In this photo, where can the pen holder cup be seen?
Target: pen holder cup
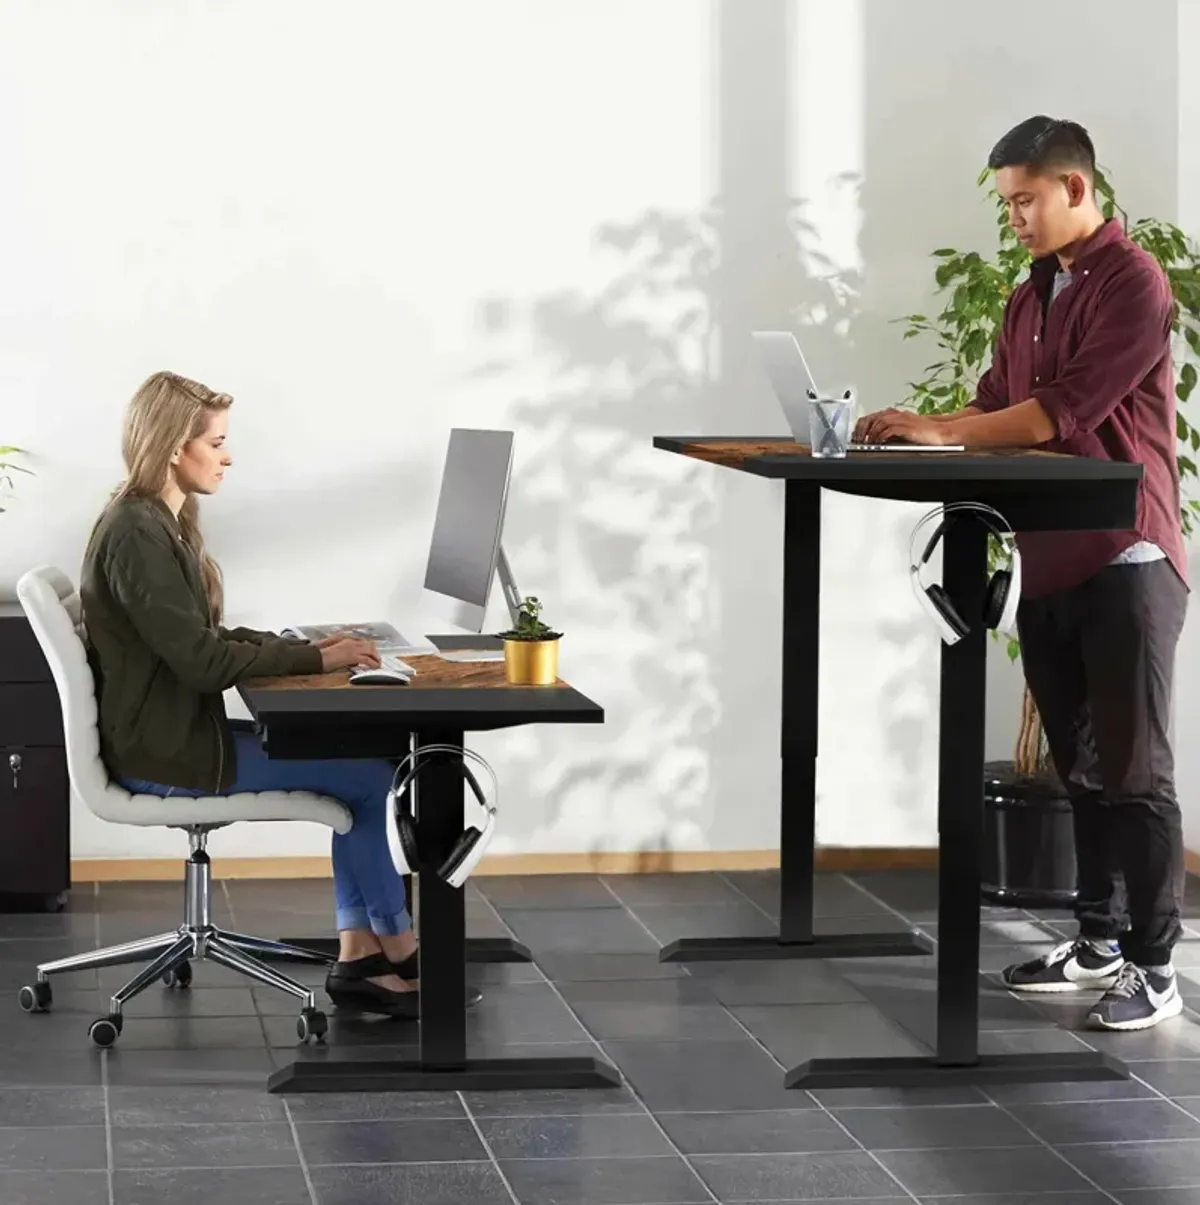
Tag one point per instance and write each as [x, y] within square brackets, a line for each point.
[830, 423]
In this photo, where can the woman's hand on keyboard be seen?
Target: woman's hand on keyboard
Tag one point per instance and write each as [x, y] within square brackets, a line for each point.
[349, 653]
[329, 640]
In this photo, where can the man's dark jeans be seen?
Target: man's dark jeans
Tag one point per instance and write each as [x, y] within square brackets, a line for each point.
[1099, 660]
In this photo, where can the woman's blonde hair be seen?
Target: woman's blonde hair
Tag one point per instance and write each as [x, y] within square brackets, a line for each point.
[166, 412]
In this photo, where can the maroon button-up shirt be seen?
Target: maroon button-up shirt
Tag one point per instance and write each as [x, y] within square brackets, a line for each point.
[1099, 361]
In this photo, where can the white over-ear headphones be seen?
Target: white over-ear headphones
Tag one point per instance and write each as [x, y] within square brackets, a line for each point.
[403, 827]
[1003, 588]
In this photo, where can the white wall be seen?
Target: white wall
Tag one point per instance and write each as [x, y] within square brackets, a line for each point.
[369, 225]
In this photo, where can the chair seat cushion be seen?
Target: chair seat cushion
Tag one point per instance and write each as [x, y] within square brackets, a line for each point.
[121, 807]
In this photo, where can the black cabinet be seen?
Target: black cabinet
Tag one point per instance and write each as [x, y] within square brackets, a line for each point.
[35, 794]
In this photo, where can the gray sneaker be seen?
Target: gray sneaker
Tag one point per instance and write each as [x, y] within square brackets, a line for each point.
[1138, 1000]
[1075, 966]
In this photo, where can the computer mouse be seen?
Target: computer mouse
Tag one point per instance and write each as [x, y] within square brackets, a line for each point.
[377, 677]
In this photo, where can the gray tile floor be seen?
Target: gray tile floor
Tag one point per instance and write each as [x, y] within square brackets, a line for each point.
[178, 1110]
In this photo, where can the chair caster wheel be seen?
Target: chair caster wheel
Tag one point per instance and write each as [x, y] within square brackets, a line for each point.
[180, 977]
[311, 1026]
[106, 1030]
[36, 999]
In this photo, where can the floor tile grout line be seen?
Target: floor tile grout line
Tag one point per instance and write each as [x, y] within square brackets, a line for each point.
[637, 920]
[487, 1146]
[907, 921]
[988, 976]
[1053, 1149]
[859, 1149]
[748, 898]
[633, 1092]
[836, 1121]
[737, 1020]
[262, 1022]
[108, 1129]
[402, 1119]
[1169, 1099]
[308, 1180]
[838, 971]
[108, 1126]
[857, 886]
[262, 1026]
[1031, 1197]
[896, 912]
[1039, 1196]
[755, 1039]
[233, 923]
[1154, 1092]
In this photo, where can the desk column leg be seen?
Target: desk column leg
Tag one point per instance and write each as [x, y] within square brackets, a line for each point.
[799, 711]
[960, 799]
[443, 918]
[800, 720]
[799, 743]
[442, 1063]
[960, 843]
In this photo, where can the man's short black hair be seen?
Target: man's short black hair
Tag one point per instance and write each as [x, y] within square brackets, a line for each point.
[1046, 144]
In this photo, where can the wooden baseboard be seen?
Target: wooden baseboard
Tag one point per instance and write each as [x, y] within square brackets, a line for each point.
[830, 858]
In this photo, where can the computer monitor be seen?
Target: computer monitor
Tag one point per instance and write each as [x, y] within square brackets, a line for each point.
[466, 549]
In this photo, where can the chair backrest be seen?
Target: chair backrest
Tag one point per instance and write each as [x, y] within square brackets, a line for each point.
[52, 605]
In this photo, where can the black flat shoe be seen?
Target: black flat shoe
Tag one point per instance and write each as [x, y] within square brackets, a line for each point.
[349, 986]
[410, 967]
[410, 970]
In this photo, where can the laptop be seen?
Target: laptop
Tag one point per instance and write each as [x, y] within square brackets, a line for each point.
[790, 378]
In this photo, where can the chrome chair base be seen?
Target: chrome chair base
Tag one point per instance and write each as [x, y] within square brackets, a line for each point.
[168, 957]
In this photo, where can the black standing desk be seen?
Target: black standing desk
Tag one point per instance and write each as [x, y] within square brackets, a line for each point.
[321, 716]
[1034, 491]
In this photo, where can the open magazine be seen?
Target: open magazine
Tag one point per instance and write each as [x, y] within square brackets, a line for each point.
[386, 638]
[390, 642]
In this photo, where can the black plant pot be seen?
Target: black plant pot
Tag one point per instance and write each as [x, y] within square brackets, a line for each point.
[1029, 841]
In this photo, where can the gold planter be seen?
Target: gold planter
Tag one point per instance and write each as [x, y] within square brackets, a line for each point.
[531, 662]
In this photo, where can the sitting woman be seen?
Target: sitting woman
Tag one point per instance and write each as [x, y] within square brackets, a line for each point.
[152, 606]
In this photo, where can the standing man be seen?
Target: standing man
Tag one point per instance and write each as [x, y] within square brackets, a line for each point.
[1083, 365]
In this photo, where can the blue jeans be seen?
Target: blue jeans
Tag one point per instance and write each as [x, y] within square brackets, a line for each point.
[368, 892]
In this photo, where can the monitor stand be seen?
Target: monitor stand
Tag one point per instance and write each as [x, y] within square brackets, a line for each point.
[466, 643]
[460, 642]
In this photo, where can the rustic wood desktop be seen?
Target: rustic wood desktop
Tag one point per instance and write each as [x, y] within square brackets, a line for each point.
[1035, 491]
[323, 716]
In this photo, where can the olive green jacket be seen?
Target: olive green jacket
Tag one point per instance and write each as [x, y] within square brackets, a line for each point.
[159, 662]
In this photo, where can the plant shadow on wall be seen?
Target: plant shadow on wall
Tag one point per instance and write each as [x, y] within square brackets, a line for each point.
[623, 540]
[7, 468]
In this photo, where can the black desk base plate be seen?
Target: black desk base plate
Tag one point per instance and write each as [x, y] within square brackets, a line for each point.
[918, 1072]
[479, 949]
[823, 945]
[475, 1075]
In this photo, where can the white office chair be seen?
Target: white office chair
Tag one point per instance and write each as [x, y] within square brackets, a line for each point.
[52, 606]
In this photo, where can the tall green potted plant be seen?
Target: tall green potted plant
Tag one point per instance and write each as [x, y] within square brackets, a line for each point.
[975, 288]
